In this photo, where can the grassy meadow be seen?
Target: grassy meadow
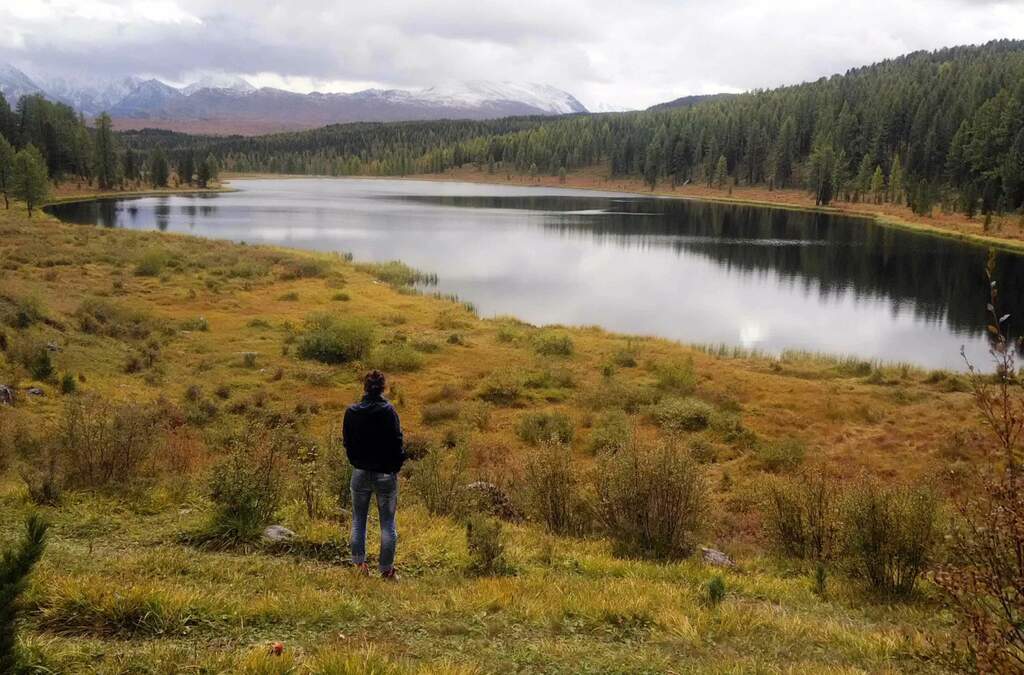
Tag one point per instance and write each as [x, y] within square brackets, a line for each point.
[213, 339]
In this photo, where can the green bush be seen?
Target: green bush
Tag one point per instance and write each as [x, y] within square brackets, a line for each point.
[714, 591]
[486, 545]
[890, 535]
[543, 427]
[652, 501]
[501, 387]
[100, 316]
[553, 490]
[68, 384]
[246, 485]
[21, 312]
[621, 395]
[396, 358]
[802, 516]
[553, 344]
[196, 324]
[152, 263]
[676, 377]
[613, 432]
[438, 477]
[332, 340]
[781, 455]
[687, 414]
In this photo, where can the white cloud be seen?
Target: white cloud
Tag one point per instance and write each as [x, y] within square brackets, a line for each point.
[604, 51]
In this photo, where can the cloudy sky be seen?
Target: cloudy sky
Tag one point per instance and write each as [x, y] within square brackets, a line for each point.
[606, 52]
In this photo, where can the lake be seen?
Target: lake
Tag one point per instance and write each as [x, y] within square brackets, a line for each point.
[700, 272]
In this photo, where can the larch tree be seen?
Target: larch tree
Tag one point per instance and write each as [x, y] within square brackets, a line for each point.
[31, 182]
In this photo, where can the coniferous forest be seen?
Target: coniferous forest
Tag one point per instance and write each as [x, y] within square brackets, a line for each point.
[929, 128]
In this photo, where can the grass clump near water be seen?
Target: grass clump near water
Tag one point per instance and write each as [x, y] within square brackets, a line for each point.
[331, 339]
[396, 273]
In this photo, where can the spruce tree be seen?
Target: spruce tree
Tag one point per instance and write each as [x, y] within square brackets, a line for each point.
[106, 157]
[878, 185]
[6, 170]
[15, 566]
[31, 183]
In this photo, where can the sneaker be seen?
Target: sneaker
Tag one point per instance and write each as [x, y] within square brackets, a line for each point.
[390, 575]
[362, 569]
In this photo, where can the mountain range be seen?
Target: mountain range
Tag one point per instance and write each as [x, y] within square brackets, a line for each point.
[227, 104]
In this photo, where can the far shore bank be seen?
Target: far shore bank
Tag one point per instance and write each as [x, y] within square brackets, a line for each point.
[953, 226]
[69, 197]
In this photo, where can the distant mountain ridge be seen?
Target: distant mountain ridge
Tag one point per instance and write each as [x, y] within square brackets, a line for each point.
[228, 104]
[689, 101]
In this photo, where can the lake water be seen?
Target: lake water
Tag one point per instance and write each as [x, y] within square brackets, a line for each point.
[698, 272]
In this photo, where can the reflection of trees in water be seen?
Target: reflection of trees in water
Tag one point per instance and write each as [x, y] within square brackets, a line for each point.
[939, 279]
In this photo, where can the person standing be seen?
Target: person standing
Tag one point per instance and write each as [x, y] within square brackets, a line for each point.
[372, 435]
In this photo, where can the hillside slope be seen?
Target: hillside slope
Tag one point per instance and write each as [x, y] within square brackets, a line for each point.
[208, 330]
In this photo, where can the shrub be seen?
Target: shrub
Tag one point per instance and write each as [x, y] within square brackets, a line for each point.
[305, 268]
[102, 445]
[22, 312]
[501, 387]
[676, 377]
[340, 297]
[442, 411]
[151, 264]
[68, 384]
[103, 317]
[781, 455]
[246, 486]
[553, 344]
[612, 432]
[396, 358]
[652, 501]
[625, 396]
[290, 296]
[196, 324]
[802, 516]
[437, 477]
[35, 357]
[331, 340]
[552, 488]
[487, 556]
[890, 535]
[425, 346]
[688, 414]
[557, 378]
[714, 591]
[543, 427]
[624, 358]
[477, 414]
[15, 566]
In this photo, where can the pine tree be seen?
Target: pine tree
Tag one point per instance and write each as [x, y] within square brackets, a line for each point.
[159, 171]
[187, 168]
[721, 172]
[207, 171]
[6, 170]
[15, 567]
[896, 180]
[31, 183]
[106, 157]
[878, 185]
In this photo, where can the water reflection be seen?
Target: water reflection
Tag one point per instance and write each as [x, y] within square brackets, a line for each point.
[695, 271]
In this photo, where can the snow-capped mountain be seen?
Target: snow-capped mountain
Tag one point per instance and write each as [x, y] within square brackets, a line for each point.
[222, 103]
[91, 96]
[14, 84]
[219, 81]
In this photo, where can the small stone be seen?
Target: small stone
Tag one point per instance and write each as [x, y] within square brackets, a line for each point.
[52, 346]
[276, 533]
[6, 395]
[34, 391]
[715, 557]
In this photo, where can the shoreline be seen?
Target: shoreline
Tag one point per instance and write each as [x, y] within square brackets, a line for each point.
[132, 194]
[1006, 245]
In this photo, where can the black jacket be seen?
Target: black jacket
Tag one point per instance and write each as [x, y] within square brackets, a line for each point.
[372, 435]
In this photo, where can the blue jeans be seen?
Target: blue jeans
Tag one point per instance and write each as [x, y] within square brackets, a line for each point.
[385, 486]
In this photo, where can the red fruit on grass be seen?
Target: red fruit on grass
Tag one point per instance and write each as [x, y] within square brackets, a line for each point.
[277, 648]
